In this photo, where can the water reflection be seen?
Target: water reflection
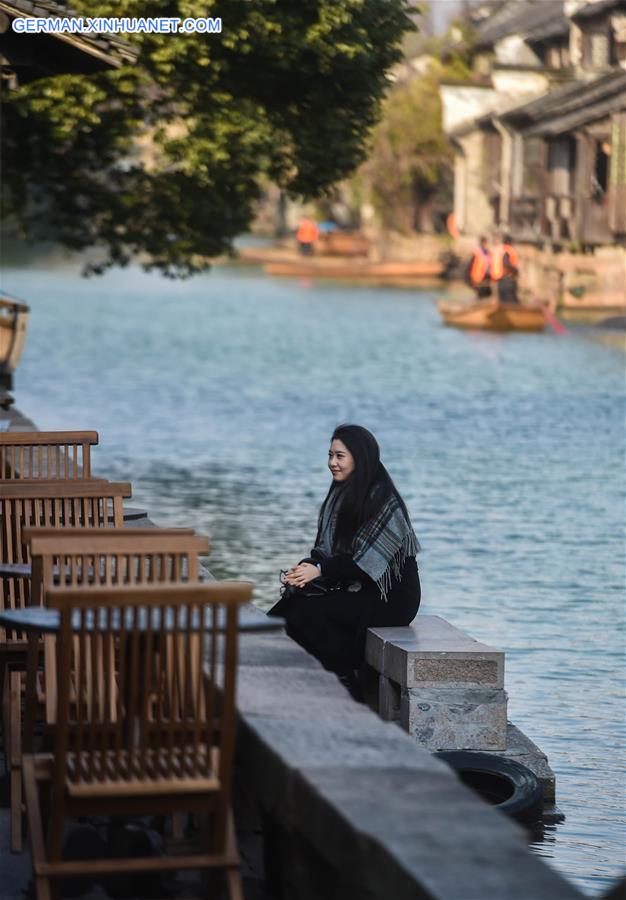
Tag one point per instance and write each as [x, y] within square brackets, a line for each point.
[216, 397]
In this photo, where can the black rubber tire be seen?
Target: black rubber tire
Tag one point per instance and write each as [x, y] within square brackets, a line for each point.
[504, 783]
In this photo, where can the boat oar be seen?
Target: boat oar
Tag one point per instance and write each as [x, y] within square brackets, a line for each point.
[557, 326]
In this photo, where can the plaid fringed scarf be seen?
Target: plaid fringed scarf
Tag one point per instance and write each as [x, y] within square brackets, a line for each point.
[380, 547]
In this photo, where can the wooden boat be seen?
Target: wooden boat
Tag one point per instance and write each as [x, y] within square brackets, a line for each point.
[491, 315]
[343, 243]
[335, 268]
[13, 321]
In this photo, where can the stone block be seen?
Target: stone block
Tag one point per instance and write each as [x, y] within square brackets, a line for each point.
[520, 748]
[368, 681]
[447, 719]
[388, 699]
[375, 648]
[433, 653]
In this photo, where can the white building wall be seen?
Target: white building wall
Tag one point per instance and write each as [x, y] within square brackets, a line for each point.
[464, 103]
[517, 87]
[513, 51]
[477, 211]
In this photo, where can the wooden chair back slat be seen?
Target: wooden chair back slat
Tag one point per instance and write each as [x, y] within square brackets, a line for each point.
[143, 728]
[58, 504]
[108, 557]
[40, 455]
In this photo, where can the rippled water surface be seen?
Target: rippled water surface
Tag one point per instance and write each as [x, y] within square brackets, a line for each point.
[216, 398]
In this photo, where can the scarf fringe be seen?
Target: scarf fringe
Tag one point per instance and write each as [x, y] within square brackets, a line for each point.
[410, 547]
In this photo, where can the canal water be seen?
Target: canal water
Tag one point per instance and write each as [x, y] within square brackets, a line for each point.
[216, 398]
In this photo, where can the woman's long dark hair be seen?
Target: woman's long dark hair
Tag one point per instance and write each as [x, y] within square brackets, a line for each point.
[365, 491]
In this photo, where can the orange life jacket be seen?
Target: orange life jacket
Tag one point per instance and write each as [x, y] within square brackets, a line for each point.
[497, 261]
[479, 267]
[307, 231]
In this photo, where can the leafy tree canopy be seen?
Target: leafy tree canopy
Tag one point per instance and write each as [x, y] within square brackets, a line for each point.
[163, 158]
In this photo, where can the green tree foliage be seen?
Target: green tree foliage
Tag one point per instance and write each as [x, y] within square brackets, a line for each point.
[163, 158]
[410, 157]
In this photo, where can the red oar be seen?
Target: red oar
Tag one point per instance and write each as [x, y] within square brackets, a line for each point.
[551, 319]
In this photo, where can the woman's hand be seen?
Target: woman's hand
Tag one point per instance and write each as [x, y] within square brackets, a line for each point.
[301, 574]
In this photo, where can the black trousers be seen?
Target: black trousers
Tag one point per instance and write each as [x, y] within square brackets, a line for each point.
[333, 626]
[507, 289]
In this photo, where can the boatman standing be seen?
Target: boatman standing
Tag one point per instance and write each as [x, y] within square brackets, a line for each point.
[306, 235]
[505, 269]
[478, 272]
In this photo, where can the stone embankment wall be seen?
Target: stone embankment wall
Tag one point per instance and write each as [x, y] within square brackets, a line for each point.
[353, 809]
[573, 281]
[576, 280]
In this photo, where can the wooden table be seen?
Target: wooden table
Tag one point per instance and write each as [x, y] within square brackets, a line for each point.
[41, 620]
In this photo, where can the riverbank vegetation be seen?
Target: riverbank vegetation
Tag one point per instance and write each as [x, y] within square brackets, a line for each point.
[407, 178]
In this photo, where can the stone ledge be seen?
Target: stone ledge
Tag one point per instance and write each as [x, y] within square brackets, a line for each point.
[361, 811]
[520, 748]
[433, 653]
[432, 840]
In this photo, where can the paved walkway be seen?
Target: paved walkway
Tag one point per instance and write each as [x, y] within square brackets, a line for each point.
[16, 871]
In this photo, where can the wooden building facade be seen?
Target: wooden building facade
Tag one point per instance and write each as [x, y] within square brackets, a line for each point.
[570, 184]
[545, 161]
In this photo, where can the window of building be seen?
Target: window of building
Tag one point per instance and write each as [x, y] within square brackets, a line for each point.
[599, 46]
[533, 157]
[557, 56]
[600, 173]
[599, 50]
[618, 29]
[492, 154]
[561, 164]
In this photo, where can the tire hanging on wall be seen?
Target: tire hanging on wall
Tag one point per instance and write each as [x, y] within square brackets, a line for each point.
[504, 783]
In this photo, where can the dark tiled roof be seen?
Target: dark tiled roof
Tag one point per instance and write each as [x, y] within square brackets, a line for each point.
[115, 48]
[558, 27]
[595, 7]
[521, 17]
[571, 106]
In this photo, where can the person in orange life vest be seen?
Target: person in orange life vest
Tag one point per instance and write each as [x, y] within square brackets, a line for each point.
[306, 235]
[504, 270]
[477, 273]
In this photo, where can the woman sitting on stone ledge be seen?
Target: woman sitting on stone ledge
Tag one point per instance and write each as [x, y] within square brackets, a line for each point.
[362, 571]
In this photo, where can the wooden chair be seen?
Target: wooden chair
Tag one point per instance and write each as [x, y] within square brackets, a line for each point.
[59, 504]
[87, 559]
[57, 455]
[116, 755]
[79, 557]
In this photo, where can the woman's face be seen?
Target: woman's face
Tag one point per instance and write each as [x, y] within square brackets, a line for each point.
[340, 461]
